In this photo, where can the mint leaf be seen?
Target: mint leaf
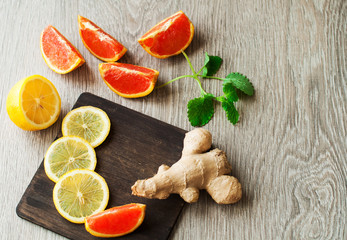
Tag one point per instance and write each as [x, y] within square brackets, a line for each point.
[230, 91]
[200, 110]
[241, 82]
[211, 65]
[229, 108]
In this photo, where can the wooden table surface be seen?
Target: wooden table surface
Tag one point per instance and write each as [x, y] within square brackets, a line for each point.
[289, 149]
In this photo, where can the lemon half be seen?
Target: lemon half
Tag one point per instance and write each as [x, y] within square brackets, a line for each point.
[33, 103]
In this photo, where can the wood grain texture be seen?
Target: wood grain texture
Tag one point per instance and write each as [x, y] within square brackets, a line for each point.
[289, 148]
[134, 149]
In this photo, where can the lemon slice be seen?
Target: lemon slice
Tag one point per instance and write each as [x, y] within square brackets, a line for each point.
[66, 154]
[88, 122]
[33, 103]
[79, 194]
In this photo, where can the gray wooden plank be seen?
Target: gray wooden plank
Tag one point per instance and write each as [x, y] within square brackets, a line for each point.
[289, 148]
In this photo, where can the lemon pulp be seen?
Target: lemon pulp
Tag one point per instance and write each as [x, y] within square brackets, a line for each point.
[66, 154]
[88, 122]
[80, 193]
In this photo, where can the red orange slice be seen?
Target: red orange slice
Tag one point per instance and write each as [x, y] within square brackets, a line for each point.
[127, 80]
[59, 54]
[98, 42]
[116, 221]
[169, 37]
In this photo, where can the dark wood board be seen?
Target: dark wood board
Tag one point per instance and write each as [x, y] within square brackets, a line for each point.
[136, 146]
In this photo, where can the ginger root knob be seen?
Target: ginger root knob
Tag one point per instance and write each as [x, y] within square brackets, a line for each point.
[197, 169]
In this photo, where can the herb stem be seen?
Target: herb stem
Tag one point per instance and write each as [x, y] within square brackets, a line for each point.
[195, 75]
[200, 71]
[220, 98]
[222, 79]
[203, 92]
[188, 60]
[167, 83]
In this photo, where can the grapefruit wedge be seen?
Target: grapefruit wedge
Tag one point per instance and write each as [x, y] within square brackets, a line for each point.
[116, 221]
[127, 80]
[169, 37]
[99, 43]
[59, 54]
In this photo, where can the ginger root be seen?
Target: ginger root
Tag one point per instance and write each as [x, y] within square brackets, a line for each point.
[197, 169]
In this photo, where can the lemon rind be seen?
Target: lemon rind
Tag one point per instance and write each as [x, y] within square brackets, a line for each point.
[48, 171]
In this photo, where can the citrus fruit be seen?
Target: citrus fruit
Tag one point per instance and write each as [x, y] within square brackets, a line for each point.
[117, 221]
[59, 54]
[169, 37]
[66, 154]
[87, 122]
[127, 80]
[33, 103]
[79, 194]
[98, 42]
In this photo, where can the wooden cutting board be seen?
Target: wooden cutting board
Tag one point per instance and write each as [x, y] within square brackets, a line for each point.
[136, 146]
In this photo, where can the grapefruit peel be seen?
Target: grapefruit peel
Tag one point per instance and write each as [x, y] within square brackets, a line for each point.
[165, 34]
[98, 42]
[56, 51]
[157, 44]
[127, 80]
[116, 221]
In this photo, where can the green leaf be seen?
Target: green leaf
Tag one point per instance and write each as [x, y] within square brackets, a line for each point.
[230, 91]
[200, 110]
[211, 65]
[229, 108]
[241, 82]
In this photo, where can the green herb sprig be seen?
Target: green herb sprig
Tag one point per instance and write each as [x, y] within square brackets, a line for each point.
[201, 109]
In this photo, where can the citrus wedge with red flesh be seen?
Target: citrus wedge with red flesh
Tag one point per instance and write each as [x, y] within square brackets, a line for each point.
[127, 80]
[169, 37]
[116, 221]
[98, 42]
[59, 54]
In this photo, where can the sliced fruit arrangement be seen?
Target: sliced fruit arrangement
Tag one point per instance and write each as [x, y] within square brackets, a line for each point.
[127, 80]
[66, 154]
[98, 42]
[33, 103]
[116, 221]
[88, 122]
[169, 37]
[80, 193]
[59, 54]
